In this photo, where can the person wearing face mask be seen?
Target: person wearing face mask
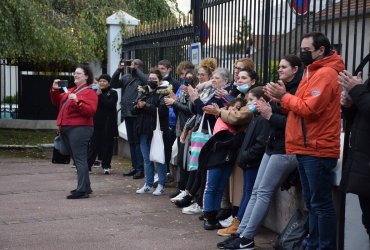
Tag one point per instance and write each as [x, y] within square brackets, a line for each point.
[150, 100]
[252, 147]
[129, 84]
[105, 125]
[275, 166]
[313, 132]
[247, 79]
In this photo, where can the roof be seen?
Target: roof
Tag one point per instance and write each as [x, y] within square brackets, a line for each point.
[351, 8]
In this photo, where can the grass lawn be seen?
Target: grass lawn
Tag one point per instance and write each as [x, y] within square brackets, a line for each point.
[26, 137]
[34, 137]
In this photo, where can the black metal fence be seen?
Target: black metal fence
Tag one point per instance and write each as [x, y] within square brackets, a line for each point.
[25, 91]
[264, 30]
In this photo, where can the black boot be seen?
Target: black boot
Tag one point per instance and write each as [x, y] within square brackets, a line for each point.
[210, 221]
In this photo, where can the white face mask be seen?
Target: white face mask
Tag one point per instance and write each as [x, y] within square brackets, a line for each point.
[243, 88]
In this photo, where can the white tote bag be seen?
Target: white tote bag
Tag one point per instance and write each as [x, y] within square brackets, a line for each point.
[157, 146]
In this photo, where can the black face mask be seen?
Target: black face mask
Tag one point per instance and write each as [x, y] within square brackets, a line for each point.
[306, 57]
[152, 84]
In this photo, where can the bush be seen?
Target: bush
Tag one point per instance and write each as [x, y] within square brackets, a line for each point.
[11, 99]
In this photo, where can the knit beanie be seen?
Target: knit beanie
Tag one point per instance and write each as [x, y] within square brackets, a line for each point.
[105, 77]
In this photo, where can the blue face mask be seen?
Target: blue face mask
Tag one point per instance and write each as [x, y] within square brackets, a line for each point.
[252, 108]
[94, 86]
[243, 88]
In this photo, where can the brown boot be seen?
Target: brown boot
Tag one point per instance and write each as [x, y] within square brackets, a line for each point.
[231, 229]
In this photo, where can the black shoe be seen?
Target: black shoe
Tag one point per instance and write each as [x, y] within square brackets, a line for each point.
[240, 243]
[231, 238]
[138, 175]
[210, 221]
[174, 194]
[129, 173]
[78, 195]
[210, 225]
[223, 214]
[75, 190]
[201, 216]
[184, 202]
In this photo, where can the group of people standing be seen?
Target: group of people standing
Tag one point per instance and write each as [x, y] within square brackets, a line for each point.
[260, 133]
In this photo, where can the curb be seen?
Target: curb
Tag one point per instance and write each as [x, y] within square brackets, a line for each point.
[37, 146]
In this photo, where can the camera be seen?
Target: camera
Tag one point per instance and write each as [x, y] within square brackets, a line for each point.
[140, 98]
[63, 83]
[126, 63]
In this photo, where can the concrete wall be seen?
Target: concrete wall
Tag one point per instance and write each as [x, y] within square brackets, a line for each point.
[283, 206]
[28, 124]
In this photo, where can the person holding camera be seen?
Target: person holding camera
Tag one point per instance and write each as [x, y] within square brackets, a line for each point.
[77, 107]
[150, 100]
[105, 125]
[129, 84]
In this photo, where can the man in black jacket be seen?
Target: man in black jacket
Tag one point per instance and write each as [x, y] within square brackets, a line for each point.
[355, 101]
[129, 84]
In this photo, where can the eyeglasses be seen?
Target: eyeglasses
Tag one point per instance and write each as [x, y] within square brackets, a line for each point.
[238, 68]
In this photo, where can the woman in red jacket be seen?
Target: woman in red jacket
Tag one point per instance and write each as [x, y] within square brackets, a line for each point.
[77, 106]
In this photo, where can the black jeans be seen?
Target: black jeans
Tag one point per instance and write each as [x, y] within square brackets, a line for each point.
[135, 152]
[184, 173]
[365, 207]
[101, 145]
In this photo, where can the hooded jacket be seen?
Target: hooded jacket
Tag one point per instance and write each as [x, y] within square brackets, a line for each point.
[314, 122]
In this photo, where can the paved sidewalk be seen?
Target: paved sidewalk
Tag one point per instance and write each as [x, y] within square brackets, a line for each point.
[34, 213]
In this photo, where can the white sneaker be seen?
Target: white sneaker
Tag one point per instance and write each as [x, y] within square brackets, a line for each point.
[181, 195]
[145, 190]
[192, 209]
[227, 222]
[106, 170]
[159, 190]
[155, 178]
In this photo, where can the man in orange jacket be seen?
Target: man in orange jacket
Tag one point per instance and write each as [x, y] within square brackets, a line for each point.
[313, 132]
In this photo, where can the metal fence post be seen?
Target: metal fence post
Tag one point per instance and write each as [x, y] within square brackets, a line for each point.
[266, 45]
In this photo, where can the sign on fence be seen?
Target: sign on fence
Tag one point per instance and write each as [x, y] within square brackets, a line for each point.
[195, 53]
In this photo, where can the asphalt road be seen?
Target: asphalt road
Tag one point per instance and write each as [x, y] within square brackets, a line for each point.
[34, 213]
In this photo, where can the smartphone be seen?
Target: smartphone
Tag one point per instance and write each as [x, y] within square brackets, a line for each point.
[63, 83]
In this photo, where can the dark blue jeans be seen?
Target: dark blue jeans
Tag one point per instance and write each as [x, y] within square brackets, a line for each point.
[249, 177]
[133, 140]
[316, 178]
[216, 181]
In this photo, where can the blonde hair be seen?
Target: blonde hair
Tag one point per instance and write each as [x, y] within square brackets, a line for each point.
[208, 64]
